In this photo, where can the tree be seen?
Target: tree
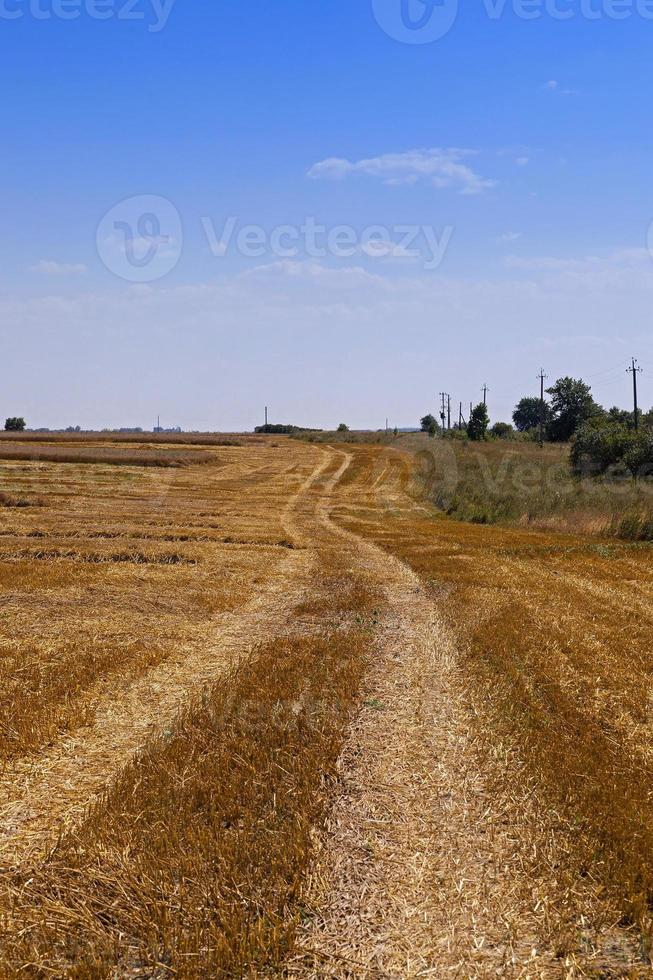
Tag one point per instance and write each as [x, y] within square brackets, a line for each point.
[527, 414]
[624, 417]
[502, 430]
[571, 405]
[433, 428]
[15, 425]
[427, 422]
[478, 423]
[603, 443]
[343, 428]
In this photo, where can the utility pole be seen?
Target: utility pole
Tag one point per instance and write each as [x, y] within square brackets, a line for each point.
[485, 391]
[266, 416]
[542, 377]
[443, 413]
[449, 412]
[460, 415]
[635, 370]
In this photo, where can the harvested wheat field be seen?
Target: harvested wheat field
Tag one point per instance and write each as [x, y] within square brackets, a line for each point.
[266, 712]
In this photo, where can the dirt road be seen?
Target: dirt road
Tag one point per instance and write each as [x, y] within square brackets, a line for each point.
[425, 867]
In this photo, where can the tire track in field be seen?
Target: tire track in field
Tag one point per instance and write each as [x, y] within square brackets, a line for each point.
[419, 874]
[45, 794]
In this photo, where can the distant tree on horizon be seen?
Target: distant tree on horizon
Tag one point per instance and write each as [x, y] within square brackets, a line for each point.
[572, 404]
[527, 414]
[427, 422]
[343, 428]
[478, 423]
[502, 430]
[15, 424]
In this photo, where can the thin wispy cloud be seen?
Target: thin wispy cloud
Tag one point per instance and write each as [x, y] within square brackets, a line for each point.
[626, 269]
[48, 267]
[509, 236]
[553, 86]
[441, 168]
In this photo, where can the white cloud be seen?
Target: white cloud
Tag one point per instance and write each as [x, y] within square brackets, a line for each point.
[522, 161]
[314, 274]
[623, 269]
[439, 167]
[554, 86]
[49, 267]
[509, 236]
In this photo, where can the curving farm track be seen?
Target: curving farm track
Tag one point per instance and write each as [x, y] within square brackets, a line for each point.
[441, 853]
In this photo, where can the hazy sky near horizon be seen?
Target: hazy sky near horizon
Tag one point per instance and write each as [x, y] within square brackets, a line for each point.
[336, 208]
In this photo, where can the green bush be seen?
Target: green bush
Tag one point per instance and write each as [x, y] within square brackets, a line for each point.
[599, 446]
[502, 430]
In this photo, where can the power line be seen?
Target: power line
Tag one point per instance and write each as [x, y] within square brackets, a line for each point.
[634, 369]
[542, 376]
[445, 411]
[600, 374]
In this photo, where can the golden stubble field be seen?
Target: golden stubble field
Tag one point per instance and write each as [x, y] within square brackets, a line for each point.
[553, 636]
[263, 710]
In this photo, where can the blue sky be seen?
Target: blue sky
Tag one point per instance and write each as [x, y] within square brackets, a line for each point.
[521, 148]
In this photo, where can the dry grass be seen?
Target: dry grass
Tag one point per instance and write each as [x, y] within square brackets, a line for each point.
[128, 588]
[119, 572]
[355, 437]
[42, 695]
[192, 863]
[152, 456]
[554, 633]
[521, 483]
[138, 438]
[118, 601]
[9, 500]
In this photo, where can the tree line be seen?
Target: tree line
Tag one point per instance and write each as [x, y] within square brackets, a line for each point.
[600, 439]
